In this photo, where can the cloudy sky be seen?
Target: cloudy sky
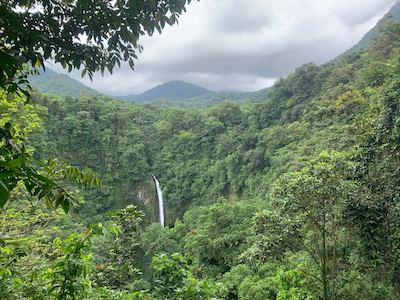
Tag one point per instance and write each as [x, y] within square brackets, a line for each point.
[244, 44]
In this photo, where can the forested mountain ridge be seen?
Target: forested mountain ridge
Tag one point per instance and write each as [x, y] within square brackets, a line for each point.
[50, 81]
[171, 90]
[241, 149]
[213, 98]
[172, 94]
[294, 197]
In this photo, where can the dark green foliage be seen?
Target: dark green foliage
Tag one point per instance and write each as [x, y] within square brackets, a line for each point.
[217, 235]
[119, 271]
[173, 280]
[169, 274]
[376, 218]
[69, 278]
[15, 168]
[229, 150]
[35, 31]
[313, 199]
[93, 132]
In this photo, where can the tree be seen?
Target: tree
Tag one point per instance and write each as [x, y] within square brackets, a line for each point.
[314, 199]
[376, 220]
[70, 276]
[174, 280]
[16, 165]
[217, 236]
[119, 272]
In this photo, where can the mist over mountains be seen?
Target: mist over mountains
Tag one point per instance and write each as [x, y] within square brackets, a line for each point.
[392, 15]
[180, 93]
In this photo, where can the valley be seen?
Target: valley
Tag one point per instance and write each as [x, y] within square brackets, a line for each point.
[291, 192]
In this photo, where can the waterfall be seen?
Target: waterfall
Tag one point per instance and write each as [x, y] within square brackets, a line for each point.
[161, 216]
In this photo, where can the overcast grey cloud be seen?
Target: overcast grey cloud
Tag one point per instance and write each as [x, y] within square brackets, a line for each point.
[245, 44]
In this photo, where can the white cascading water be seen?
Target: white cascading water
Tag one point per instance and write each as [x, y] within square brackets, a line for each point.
[161, 217]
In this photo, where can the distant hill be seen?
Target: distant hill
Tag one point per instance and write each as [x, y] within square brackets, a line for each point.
[393, 14]
[186, 95]
[170, 94]
[60, 84]
[172, 90]
[213, 99]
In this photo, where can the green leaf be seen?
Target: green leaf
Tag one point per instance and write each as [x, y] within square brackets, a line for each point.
[7, 126]
[15, 163]
[66, 205]
[4, 193]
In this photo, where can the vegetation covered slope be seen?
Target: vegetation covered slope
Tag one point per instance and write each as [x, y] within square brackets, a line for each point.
[171, 90]
[296, 197]
[59, 84]
[213, 98]
[172, 94]
[229, 150]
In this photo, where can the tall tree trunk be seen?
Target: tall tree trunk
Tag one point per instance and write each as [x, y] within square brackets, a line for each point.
[324, 279]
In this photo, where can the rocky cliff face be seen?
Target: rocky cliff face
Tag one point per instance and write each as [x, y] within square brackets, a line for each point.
[147, 200]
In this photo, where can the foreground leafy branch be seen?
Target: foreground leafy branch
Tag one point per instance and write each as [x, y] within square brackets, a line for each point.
[16, 168]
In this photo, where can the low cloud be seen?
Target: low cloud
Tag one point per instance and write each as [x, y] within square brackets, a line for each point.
[245, 44]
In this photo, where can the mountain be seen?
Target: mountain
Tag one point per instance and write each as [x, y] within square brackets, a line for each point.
[392, 15]
[213, 98]
[172, 90]
[60, 84]
[186, 95]
[170, 94]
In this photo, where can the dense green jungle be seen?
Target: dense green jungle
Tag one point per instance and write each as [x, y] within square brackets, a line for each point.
[296, 196]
